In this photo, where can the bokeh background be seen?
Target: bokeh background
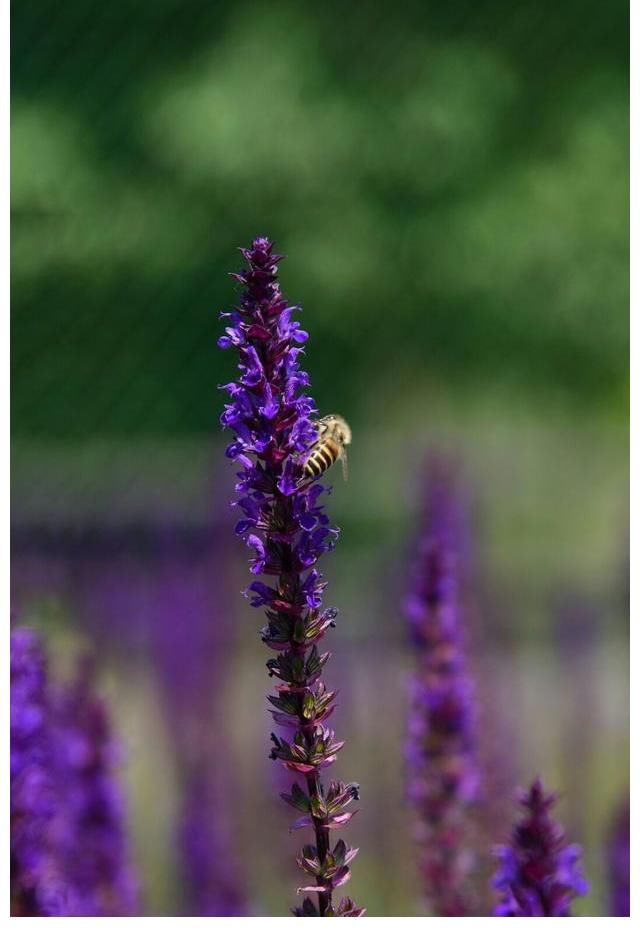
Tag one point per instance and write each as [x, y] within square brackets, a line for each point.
[449, 182]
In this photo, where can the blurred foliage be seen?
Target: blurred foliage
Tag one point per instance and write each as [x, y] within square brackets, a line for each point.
[449, 181]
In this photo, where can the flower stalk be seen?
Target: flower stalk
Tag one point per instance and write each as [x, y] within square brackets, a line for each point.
[287, 530]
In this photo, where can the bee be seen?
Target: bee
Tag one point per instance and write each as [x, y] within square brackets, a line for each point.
[334, 435]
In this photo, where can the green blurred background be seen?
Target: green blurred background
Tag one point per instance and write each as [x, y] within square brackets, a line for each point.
[450, 184]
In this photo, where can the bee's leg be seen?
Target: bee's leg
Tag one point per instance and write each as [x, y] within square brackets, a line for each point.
[305, 482]
[345, 465]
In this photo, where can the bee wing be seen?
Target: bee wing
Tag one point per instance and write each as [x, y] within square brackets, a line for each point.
[345, 465]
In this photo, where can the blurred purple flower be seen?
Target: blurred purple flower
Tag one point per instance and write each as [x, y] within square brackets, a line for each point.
[619, 860]
[539, 874]
[191, 646]
[68, 844]
[577, 622]
[92, 835]
[441, 750]
[38, 887]
[287, 532]
[150, 594]
[207, 859]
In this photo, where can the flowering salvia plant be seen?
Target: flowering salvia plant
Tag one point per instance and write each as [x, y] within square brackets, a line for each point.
[441, 749]
[539, 873]
[288, 530]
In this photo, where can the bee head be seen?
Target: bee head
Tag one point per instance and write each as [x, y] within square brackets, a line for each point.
[344, 432]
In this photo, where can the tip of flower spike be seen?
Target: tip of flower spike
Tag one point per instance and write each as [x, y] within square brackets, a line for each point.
[536, 796]
[260, 252]
[261, 243]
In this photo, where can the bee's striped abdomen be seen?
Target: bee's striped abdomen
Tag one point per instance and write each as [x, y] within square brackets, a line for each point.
[321, 458]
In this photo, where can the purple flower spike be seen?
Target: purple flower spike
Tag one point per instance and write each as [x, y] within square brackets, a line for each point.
[441, 751]
[539, 874]
[287, 532]
[619, 860]
[38, 887]
[93, 838]
[68, 845]
[192, 642]
[208, 863]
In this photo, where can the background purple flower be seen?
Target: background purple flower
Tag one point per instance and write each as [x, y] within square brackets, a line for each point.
[91, 835]
[287, 531]
[69, 852]
[441, 750]
[619, 861]
[38, 887]
[213, 887]
[577, 625]
[148, 599]
[539, 874]
[191, 644]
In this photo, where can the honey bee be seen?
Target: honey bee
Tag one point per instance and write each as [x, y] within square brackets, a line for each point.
[334, 435]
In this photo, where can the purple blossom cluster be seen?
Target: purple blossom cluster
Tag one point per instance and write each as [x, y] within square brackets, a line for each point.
[539, 874]
[441, 749]
[68, 844]
[287, 530]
